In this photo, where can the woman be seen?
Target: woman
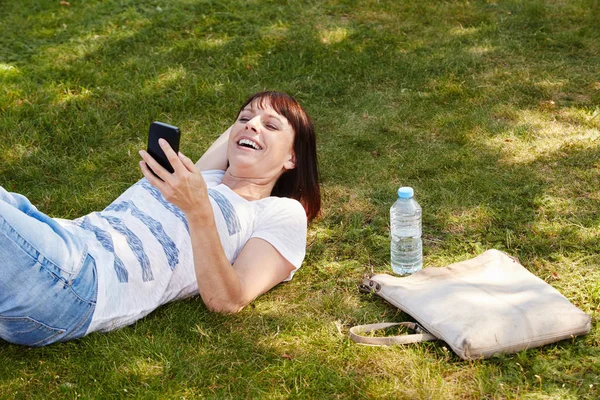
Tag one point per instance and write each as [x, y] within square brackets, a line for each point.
[230, 227]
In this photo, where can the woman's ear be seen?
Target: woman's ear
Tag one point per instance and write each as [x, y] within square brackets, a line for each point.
[291, 163]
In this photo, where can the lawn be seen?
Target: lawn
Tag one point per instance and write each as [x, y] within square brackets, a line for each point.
[489, 109]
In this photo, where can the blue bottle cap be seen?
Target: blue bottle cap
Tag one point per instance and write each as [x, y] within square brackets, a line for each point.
[405, 192]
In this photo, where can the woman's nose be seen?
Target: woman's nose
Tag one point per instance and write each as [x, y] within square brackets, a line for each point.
[253, 123]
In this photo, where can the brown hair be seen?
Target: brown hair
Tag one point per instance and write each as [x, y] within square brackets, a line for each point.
[302, 182]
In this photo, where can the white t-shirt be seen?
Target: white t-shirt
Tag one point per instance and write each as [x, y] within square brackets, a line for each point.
[143, 253]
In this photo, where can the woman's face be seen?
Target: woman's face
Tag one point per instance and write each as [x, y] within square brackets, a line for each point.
[261, 143]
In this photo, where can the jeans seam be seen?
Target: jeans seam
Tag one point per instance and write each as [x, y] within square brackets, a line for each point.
[55, 331]
[40, 255]
[88, 315]
[91, 306]
[44, 325]
[95, 294]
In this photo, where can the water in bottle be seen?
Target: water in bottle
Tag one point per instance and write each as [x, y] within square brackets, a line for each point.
[405, 223]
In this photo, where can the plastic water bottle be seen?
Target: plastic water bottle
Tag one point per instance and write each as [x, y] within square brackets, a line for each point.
[405, 222]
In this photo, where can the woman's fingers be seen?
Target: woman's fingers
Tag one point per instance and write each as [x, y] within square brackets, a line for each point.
[152, 178]
[171, 156]
[153, 166]
[189, 164]
[185, 188]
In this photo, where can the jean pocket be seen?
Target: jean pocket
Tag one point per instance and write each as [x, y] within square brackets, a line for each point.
[27, 331]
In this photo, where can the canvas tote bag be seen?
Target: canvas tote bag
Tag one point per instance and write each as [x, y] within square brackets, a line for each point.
[480, 307]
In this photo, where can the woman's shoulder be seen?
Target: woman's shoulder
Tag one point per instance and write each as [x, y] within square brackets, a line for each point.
[281, 201]
[281, 206]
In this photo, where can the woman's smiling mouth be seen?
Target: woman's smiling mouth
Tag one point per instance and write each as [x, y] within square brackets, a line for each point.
[245, 142]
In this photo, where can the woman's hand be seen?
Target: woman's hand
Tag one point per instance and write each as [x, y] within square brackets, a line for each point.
[215, 157]
[185, 187]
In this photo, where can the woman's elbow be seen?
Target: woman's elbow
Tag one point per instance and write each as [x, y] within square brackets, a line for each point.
[224, 307]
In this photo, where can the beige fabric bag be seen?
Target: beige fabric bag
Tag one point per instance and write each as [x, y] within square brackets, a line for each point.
[480, 307]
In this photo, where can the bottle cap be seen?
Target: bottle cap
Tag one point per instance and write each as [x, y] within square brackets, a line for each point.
[405, 192]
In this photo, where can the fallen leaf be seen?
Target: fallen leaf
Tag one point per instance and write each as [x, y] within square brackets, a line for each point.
[65, 3]
[286, 356]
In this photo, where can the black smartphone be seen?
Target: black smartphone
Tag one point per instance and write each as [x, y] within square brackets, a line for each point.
[168, 132]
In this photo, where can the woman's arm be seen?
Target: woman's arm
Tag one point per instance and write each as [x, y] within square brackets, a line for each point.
[216, 155]
[223, 287]
[226, 288]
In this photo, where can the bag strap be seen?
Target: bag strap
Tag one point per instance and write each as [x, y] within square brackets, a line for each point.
[421, 334]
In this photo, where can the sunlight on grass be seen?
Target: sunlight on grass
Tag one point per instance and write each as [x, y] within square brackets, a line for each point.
[214, 41]
[69, 95]
[319, 233]
[87, 44]
[332, 36]
[472, 219]
[275, 32]
[447, 86]
[558, 208]
[7, 70]
[551, 86]
[481, 50]
[16, 385]
[536, 134]
[462, 31]
[251, 60]
[14, 99]
[143, 368]
[18, 153]
[579, 233]
[356, 203]
[173, 75]
[406, 374]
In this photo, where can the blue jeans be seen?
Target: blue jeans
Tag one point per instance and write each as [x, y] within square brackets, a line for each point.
[48, 284]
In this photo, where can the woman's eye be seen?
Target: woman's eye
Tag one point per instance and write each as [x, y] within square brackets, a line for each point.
[244, 119]
[272, 127]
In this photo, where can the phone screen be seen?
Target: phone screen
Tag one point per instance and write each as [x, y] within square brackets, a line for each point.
[168, 132]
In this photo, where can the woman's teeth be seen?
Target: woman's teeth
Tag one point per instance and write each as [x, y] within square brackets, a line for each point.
[249, 143]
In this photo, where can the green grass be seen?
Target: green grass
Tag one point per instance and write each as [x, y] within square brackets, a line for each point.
[489, 109]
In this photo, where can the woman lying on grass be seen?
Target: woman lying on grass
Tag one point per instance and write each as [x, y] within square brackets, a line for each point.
[230, 227]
